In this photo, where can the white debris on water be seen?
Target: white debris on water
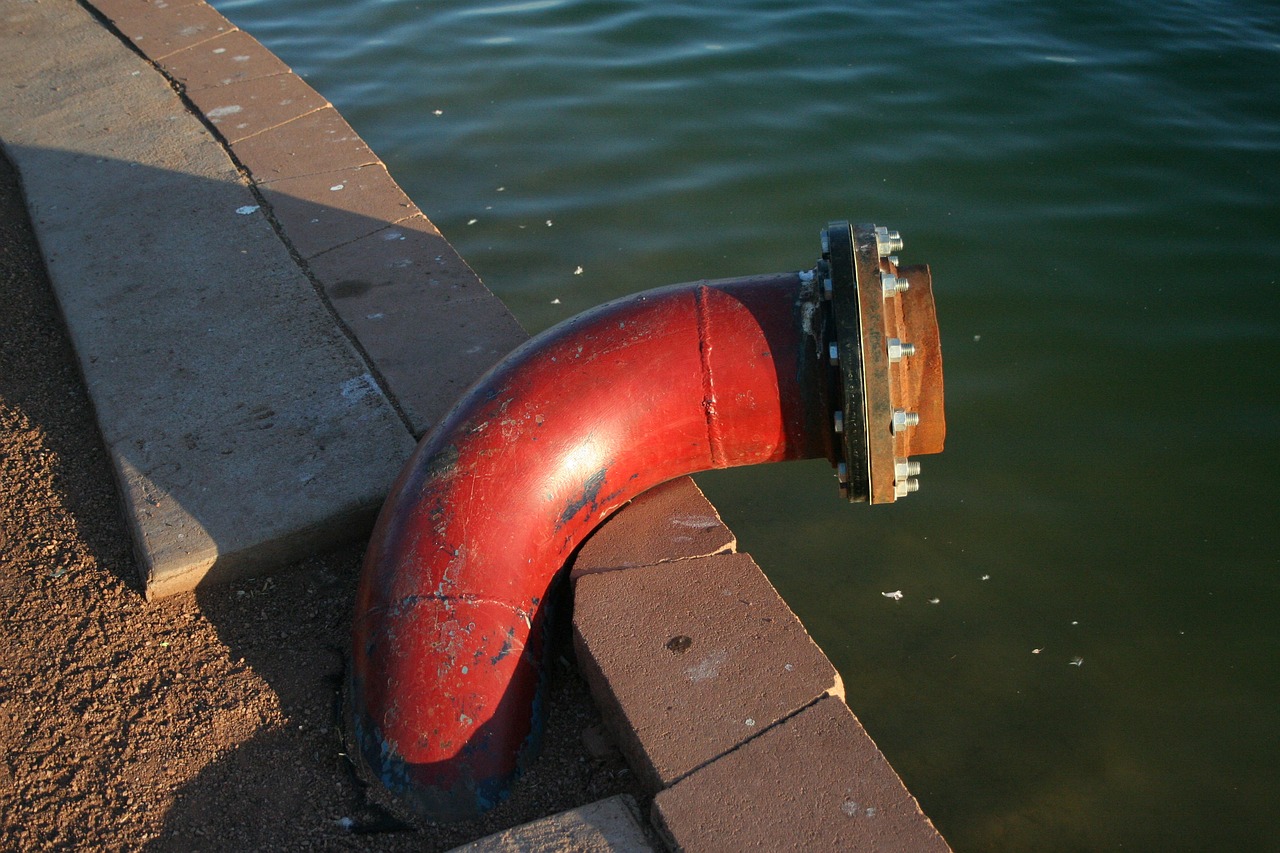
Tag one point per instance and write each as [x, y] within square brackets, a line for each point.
[555, 301]
[935, 601]
[1077, 661]
[896, 595]
[578, 271]
[986, 577]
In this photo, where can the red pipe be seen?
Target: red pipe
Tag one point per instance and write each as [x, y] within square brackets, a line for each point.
[568, 428]
[560, 434]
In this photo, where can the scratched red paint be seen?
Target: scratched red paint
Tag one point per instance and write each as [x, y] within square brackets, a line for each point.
[563, 432]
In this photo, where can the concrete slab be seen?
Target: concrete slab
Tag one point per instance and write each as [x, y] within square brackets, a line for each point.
[421, 314]
[814, 782]
[673, 521]
[244, 427]
[690, 660]
[607, 826]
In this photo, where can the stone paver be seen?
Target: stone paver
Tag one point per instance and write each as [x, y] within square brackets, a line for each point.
[228, 58]
[324, 211]
[244, 427]
[673, 521]
[318, 142]
[239, 110]
[162, 28]
[606, 826]
[689, 660]
[814, 782]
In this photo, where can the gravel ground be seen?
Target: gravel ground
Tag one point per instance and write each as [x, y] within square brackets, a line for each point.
[204, 721]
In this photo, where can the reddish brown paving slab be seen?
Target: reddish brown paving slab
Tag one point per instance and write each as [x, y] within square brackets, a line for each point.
[689, 660]
[323, 212]
[162, 28]
[673, 521]
[317, 142]
[239, 110]
[232, 57]
[815, 782]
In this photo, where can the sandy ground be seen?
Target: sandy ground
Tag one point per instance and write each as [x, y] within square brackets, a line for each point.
[205, 721]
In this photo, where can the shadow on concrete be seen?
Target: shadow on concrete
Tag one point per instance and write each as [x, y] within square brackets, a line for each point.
[290, 629]
[244, 426]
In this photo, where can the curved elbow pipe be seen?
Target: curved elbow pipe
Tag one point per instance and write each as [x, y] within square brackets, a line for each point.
[565, 430]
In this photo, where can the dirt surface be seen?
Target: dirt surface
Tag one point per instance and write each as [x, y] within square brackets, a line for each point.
[205, 721]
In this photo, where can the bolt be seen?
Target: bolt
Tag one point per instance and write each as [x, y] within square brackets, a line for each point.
[892, 284]
[833, 353]
[827, 288]
[903, 419]
[902, 488]
[842, 473]
[893, 259]
[905, 468]
[887, 242]
[898, 350]
[839, 421]
[826, 242]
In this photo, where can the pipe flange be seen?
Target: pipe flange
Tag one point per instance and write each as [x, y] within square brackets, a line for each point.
[879, 381]
[845, 348]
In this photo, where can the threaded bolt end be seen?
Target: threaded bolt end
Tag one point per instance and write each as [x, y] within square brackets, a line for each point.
[887, 242]
[905, 468]
[892, 284]
[899, 350]
[903, 419]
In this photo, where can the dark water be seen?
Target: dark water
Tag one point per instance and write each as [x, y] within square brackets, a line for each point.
[1097, 187]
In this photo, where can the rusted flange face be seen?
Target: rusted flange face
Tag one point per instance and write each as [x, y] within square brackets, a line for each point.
[916, 380]
[887, 354]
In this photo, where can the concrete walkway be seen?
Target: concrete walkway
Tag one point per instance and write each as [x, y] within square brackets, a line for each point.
[264, 321]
